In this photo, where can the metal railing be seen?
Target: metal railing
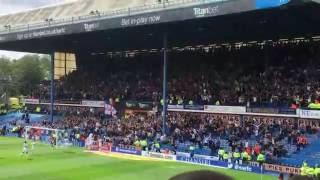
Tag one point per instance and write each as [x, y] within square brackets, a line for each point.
[171, 4]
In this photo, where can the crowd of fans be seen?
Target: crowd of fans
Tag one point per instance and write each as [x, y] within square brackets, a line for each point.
[282, 75]
[233, 133]
[275, 75]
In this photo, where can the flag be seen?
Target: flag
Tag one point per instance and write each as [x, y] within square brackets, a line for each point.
[109, 110]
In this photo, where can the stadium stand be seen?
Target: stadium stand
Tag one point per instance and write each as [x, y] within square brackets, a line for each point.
[290, 84]
[69, 9]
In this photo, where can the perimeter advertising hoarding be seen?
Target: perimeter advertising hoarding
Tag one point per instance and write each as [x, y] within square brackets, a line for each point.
[225, 109]
[156, 17]
[282, 169]
[125, 150]
[312, 114]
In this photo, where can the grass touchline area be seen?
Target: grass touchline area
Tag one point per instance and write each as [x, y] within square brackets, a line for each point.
[74, 164]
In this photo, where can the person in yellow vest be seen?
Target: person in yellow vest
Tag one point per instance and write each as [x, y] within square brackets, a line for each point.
[317, 171]
[180, 101]
[310, 171]
[244, 156]
[137, 143]
[117, 100]
[225, 156]
[249, 157]
[38, 109]
[191, 149]
[236, 157]
[162, 102]
[190, 102]
[220, 154]
[144, 145]
[156, 145]
[261, 159]
[304, 168]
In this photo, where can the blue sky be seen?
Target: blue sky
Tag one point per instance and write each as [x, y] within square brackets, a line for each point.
[13, 6]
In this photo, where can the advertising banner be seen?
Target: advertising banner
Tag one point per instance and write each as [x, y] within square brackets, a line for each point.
[313, 114]
[131, 18]
[194, 107]
[93, 103]
[265, 110]
[287, 111]
[246, 168]
[225, 109]
[201, 161]
[282, 169]
[160, 155]
[175, 106]
[31, 101]
[125, 150]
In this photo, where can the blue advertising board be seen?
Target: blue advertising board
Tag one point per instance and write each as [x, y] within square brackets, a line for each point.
[202, 161]
[125, 150]
[246, 168]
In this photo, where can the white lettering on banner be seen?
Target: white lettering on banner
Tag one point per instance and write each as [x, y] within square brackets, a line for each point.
[91, 26]
[175, 106]
[314, 114]
[140, 20]
[241, 168]
[31, 101]
[214, 158]
[93, 103]
[41, 33]
[161, 156]
[225, 109]
[202, 12]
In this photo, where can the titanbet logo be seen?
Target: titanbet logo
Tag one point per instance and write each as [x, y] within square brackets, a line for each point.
[201, 12]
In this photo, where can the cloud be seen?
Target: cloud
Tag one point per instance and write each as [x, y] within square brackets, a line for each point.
[12, 6]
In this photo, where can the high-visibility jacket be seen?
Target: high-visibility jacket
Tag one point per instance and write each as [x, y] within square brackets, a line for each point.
[244, 155]
[225, 156]
[221, 152]
[303, 171]
[157, 145]
[310, 171]
[261, 158]
[236, 155]
[144, 143]
[317, 171]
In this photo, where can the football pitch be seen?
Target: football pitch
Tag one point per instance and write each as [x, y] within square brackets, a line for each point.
[46, 163]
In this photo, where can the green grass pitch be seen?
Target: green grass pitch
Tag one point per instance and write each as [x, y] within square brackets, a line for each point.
[74, 164]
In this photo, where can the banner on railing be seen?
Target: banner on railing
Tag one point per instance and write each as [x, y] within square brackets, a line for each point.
[31, 101]
[139, 105]
[246, 168]
[93, 103]
[282, 169]
[313, 114]
[175, 106]
[126, 150]
[265, 110]
[159, 155]
[225, 109]
[194, 107]
[201, 161]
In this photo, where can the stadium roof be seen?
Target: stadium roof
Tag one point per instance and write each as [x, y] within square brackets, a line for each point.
[193, 23]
